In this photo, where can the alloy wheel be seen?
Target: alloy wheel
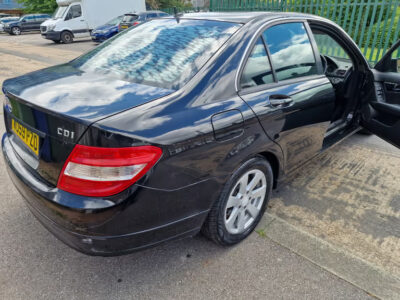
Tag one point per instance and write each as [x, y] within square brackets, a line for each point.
[16, 31]
[245, 201]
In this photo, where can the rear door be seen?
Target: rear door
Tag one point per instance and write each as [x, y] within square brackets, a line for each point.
[381, 110]
[284, 84]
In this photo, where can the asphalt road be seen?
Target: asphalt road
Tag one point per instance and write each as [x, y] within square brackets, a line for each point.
[331, 231]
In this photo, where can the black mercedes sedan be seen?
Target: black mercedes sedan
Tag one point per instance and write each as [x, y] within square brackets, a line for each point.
[186, 124]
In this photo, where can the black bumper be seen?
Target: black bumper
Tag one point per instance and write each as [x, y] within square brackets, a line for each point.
[52, 35]
[146, 218]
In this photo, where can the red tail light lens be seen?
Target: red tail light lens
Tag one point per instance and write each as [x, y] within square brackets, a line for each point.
[136, 23]
[101, 172]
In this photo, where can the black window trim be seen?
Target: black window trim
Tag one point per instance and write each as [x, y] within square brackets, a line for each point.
[277, 83]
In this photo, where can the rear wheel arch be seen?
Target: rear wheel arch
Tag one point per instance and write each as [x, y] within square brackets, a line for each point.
[275, 165]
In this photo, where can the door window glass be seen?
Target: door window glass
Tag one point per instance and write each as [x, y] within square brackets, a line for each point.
[151, 16]
[291, 53]
[74, 12]
[30, 19]
[327, 46]
[258, 69]
[396, 60]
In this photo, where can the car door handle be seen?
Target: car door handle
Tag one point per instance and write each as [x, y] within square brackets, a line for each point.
[392, 87]
[280, 100]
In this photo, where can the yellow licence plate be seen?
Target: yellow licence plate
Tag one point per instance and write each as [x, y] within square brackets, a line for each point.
[124, 27]
[30, 138]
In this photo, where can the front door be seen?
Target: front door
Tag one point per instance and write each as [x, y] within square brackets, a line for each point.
[28, 23]
[381, 108]
[75, 21]
[286, 88]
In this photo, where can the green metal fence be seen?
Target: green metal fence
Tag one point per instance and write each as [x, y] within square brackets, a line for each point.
[373, 24]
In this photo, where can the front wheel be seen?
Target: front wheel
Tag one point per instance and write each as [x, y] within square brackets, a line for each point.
[16, 31]
[67, 37]
[241, 204]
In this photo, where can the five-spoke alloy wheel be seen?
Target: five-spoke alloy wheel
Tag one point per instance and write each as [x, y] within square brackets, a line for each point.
[241, 204]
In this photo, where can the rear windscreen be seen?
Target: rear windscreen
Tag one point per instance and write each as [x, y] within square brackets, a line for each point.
[162, 53]
[130, 18]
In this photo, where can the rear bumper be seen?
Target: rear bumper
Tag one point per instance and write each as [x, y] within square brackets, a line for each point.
[52, 35]
[144, 219]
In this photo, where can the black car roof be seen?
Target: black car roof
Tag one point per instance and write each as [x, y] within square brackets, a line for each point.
[243, 17]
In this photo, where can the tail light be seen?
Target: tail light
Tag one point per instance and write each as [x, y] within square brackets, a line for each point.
[101, 172]
[135, 23]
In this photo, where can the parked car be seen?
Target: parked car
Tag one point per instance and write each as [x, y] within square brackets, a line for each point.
[6, 20]
[4, 15]
[181, 125]
[106, 31]
[26, 23]
[133, 19]
[77, 18]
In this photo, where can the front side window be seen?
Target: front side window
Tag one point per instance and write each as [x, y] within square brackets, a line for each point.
[396, 60]
[327, 46]
[257, 70]
[291, 53]
[74, 12]
[162, 53]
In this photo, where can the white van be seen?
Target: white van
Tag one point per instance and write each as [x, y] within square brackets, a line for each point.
[77, 18]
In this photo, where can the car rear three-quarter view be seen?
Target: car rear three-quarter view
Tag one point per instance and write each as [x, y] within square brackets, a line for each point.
[179, 125]
[115, 151]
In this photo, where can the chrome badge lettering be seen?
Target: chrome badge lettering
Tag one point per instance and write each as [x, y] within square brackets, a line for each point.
[65, 133]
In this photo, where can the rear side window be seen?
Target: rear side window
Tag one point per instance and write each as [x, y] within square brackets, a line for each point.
[151, 16]
[291, 53]
[162, 53]
[257, 70]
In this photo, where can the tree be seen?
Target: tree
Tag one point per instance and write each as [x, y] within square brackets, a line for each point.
[39, 6]
[152, 4]
[180, 4]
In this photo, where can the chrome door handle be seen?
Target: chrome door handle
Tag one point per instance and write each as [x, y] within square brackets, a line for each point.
[280, 100]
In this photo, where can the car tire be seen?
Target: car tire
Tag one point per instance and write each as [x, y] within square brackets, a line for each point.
[67, 37]
[16, 30]
[225, 222]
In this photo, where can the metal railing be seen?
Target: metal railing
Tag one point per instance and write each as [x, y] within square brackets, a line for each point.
[373, 24]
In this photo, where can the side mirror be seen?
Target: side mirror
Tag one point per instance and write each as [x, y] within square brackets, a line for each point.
[391, 60]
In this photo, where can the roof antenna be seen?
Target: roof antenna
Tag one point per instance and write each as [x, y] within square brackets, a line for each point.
[177, 15]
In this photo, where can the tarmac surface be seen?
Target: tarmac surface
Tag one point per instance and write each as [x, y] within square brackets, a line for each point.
[332, 230]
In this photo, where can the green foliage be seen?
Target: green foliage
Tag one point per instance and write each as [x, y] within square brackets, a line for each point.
[180, 4]
[39, 6]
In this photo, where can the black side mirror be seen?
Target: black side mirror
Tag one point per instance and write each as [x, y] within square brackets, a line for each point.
[391, 60]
